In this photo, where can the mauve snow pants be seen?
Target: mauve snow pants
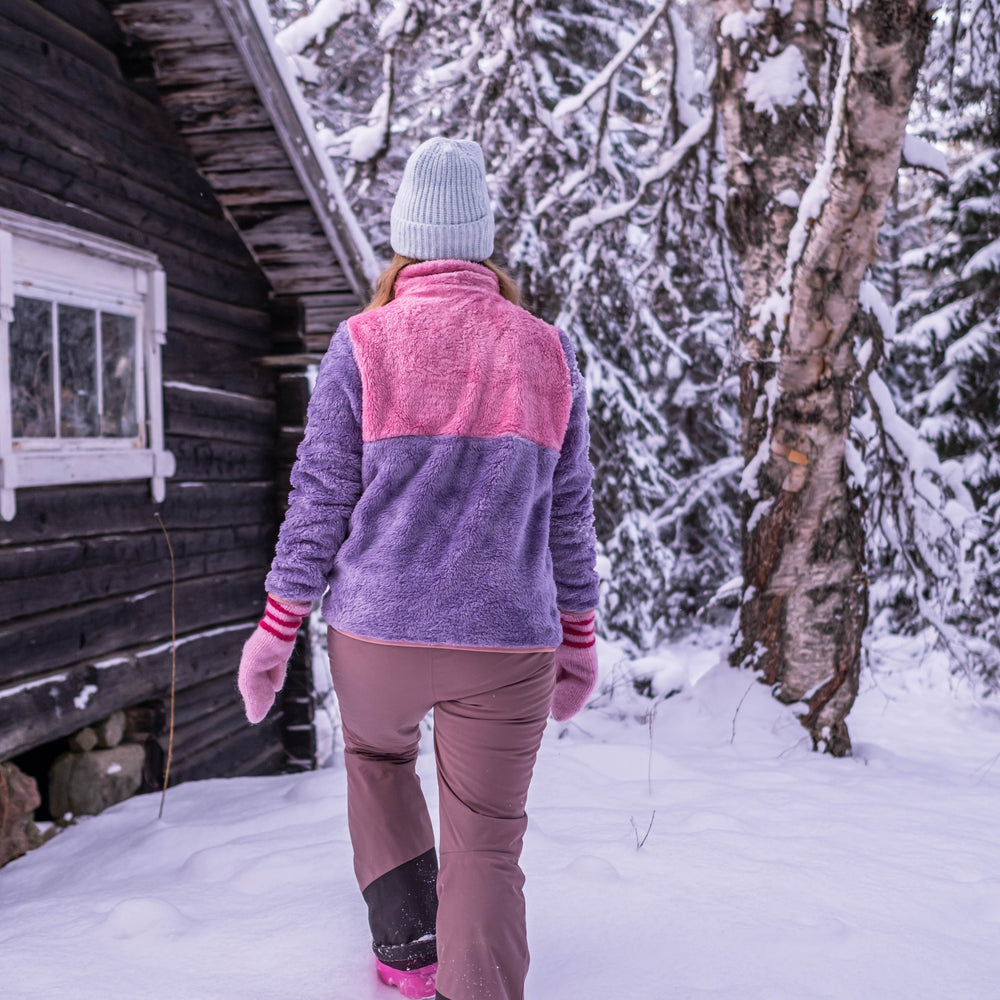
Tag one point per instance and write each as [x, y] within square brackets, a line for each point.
[489, 713]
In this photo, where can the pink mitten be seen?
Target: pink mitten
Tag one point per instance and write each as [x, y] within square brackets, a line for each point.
[265, 655]
[576, 664]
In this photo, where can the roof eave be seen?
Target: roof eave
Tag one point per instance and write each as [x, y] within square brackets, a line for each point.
[249, 25]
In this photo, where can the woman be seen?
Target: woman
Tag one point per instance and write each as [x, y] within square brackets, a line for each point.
[442, 493]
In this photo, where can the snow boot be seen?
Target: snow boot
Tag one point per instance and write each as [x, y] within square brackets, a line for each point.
[415, 984]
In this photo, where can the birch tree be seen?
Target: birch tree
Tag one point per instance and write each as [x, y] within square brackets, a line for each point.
[814, 103]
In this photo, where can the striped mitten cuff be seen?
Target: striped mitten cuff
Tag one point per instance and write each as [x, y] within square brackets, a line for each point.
[283, 618]
[576, 664]
[578, 628]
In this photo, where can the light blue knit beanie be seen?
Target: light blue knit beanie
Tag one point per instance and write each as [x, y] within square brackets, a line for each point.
[442, 209]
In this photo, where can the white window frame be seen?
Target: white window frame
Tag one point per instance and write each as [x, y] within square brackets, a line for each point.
[70, 266]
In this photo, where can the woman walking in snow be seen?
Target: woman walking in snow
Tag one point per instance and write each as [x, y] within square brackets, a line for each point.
[442, 501]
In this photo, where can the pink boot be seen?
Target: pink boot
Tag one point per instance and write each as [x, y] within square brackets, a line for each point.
[416, 984]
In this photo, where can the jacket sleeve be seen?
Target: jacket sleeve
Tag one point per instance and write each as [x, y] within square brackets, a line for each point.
[572, 540]
[326, 479]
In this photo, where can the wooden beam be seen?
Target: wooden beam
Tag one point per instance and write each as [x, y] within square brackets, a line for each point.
[60, 702]
[215, 110]
[292, 121]
[89, 510]
[171, 21]
[251, 149]
[289, 360]
[199, 65]
[31, 647]
[43, 578]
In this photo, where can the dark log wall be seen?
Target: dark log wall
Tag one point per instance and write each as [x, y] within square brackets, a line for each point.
[85, 588]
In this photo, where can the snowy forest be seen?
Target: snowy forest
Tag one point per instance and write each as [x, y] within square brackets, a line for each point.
[771, 231]
[667, 178]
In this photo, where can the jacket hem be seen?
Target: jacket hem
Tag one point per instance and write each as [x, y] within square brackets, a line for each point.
[445, 645]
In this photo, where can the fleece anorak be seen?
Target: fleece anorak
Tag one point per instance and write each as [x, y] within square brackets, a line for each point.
[442, 491]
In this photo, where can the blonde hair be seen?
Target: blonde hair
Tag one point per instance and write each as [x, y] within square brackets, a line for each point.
[385, 285]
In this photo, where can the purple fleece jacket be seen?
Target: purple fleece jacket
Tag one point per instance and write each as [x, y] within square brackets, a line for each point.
[443, 488]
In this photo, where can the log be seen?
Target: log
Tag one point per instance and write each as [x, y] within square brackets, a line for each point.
[64, 701]
[33, 646]
[210, 316]
[211, 401]
[116, 551]
[157, 21]
[190, 270]
[188, 355]
[209, 728]
[196, 65]
[205, 252]
[260, 223]
[38, 579]
[203, 700]
[58, 72]
[59, 123]
[83, 28]
[207, 459]
[302, 279]
[253, 149]
[249, 751]
[207, 110]
[208, 428]
[220, 364]
[271, 186]
[303, 254]
[60, 512]
[205, 412]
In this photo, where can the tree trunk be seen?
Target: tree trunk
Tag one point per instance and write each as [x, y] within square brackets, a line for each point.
[804, 236]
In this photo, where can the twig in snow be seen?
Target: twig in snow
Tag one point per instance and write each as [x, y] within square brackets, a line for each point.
[986, 768]
[732, 737]
[638, 842]
[794, 746]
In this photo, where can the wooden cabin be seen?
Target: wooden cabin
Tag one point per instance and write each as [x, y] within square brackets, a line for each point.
[174, 250]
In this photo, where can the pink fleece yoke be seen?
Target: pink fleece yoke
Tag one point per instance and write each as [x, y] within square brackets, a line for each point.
[450, 356]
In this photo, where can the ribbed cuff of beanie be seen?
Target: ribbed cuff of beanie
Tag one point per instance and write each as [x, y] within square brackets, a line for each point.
[424, 241]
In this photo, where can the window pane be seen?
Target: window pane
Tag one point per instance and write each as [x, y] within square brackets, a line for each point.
[32, 405]
[77, 372]
[118, 348]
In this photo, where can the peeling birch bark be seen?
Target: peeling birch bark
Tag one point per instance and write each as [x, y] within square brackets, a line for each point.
[805, 236]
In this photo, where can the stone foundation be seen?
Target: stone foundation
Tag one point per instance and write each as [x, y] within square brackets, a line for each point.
[19, 799]
[104, 765]
[99, 770]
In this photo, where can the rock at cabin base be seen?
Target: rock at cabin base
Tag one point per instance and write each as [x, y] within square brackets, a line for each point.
[85, 784]
[84, 740]
[19, 798]
[111, 730]
[24, 837]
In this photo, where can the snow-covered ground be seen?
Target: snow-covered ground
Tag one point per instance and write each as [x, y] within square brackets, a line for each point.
[702, 854]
